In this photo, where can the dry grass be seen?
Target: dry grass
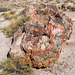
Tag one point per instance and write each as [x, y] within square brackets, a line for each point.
[15, 24]
[3, 9]
[10, 15]
[16, 66]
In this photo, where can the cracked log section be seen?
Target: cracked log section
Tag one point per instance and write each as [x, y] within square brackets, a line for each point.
[41, 37]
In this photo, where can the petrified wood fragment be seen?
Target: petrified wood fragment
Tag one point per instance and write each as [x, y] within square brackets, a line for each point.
[41, 38]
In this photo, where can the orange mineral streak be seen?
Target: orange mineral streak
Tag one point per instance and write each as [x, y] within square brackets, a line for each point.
[34, 16]
[50, 30]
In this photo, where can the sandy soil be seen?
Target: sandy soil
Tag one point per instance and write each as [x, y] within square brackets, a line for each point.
[65, 64]
[4, 42]
[4, 46]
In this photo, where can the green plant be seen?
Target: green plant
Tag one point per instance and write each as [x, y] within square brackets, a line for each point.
[16, 66]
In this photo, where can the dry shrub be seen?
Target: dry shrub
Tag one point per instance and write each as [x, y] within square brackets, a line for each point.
[16, 66]
[15, 24]
[9, 15]
[3, 9]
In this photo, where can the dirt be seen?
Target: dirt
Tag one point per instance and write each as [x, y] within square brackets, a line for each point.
[4, 46]
[4, 41]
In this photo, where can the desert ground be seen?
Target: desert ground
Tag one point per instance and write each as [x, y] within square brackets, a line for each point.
[65, 65]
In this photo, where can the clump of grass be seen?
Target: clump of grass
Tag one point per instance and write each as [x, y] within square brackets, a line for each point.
[12, 12]
[58, 1]
[16, 66]
[69, 7]
[1, 28]
[69, 1]
[73, 8]
[6, 15]
[14, 26]
[11, 29]
[9, 15]
[3, 9]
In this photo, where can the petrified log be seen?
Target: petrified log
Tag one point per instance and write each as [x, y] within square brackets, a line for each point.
[40, 39]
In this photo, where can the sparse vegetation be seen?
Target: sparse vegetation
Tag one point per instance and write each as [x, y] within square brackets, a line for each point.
[3, 9]
[58, 1]
[65, 8]
[10, 15]
[69, 7]
[69, 1]
[73, 8]
[12, 12]
[11, 29]
[15, 24]
[16, 66]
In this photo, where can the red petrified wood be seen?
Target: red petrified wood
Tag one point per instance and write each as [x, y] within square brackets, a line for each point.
[43, 35]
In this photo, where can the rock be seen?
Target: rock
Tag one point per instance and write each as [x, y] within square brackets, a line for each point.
[41, 38]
